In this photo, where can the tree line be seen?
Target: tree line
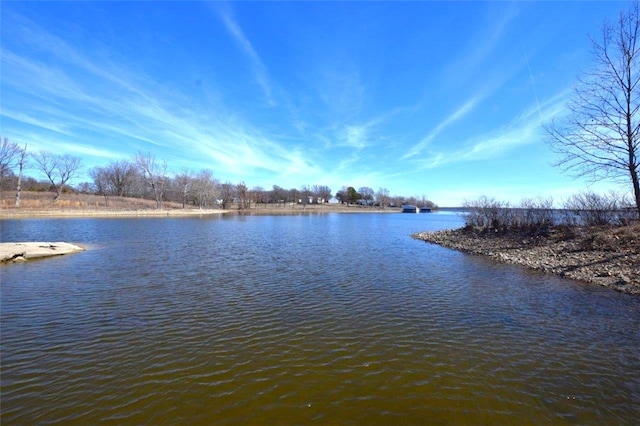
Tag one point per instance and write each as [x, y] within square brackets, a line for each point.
[145, 176]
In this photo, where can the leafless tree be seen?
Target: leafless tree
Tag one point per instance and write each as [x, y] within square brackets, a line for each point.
[185, 185]
[227, 191]
[278, 194]
[114, 179]
[99, 176]
[600, 135]
[9, 154]
[120, 175]
[154, 172]
[22, 158]
[58, 169]
[382, 197]
[304, 195]
[206, 188]
[242, 194]
[258, 195]
[366, 194]
[321, 193]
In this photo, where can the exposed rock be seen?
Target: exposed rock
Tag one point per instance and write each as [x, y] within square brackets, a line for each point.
[605, 256]
[20, 252]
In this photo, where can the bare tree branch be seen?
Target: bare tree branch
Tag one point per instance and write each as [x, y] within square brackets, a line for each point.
[600, 137]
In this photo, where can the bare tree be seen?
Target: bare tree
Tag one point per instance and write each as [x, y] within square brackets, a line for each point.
[206, 188]
[9, 155]
[154, 172]
[185, 184]
[278, 194]
[321, 194]
[242, 194]
[227, 190]
[99, 176]
[58, 169]
[366, 194]
[258, 195]
[21, 162]
[382, 197]
[600, 135]
[120, 175]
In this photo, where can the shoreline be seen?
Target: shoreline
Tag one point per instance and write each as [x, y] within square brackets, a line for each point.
[606, 257]
[176, 212]
[71, 213]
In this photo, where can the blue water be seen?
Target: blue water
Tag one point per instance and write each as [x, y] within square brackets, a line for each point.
[337, 318]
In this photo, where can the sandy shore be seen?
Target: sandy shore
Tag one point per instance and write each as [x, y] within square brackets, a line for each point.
[606, 257]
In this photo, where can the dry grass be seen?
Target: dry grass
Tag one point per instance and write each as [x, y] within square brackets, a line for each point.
[42, 204]
[44, 200]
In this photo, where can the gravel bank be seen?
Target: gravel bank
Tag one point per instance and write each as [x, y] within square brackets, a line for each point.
[606, 257]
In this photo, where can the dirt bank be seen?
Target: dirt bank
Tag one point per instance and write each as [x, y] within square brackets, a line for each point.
[608, 257]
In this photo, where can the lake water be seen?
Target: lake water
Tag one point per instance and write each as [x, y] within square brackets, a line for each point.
[308, 319]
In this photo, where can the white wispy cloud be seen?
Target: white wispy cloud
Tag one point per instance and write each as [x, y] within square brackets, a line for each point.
[524, 129]
[457, 115]
[258, 66]
[101, 114]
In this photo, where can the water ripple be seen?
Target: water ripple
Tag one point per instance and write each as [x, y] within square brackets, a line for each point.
[298, 320]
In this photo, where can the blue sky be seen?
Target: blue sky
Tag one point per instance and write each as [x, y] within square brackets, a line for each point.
[443, 99]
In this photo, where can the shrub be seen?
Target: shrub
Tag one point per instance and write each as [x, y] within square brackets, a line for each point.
[591, 209]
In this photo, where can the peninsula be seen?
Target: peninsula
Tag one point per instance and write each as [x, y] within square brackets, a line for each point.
[604, 256]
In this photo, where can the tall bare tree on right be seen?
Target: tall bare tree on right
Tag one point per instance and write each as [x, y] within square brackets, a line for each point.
[600, 137]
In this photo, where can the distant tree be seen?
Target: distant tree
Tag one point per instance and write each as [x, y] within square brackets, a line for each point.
[352, 195]
[600, 137]
[293, 195]
[59, 169]
[154, 173]
[100, 181]
[120, 175]
[366, 194]
[206, 188]
[423, 201]
[382, 197]
[278, 194]
[305, 194]
[322, 192]
[242, 194]
[398, 200]
[10, 153]
[258, 195]
[22, 158]
[343, 195]
[227, 191]
[184, 183]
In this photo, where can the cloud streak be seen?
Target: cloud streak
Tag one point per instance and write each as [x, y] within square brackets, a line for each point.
[259, 69]
[121, 108]
[523, 130]
[456, 116]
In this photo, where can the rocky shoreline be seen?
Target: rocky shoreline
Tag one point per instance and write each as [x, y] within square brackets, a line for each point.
[607, 257]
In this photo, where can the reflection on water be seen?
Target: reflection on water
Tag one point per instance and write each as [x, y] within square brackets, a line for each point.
[303, 319]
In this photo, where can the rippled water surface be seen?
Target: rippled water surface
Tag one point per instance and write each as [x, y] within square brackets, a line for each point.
[325, 319]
